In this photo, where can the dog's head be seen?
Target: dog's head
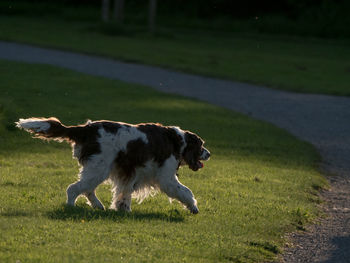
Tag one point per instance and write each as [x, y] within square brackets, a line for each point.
[194, 151]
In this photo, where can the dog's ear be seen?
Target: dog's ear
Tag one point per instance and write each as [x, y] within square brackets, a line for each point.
[192, 151]
[193, 140]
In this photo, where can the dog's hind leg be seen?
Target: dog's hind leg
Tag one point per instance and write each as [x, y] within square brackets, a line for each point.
[91, 175]
[122, 202]
[93, 200]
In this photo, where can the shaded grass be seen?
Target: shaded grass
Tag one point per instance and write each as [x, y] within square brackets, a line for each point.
[260, 182]
[87, 214]
[289, 63]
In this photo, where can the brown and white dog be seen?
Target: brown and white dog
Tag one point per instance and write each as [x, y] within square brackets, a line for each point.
[135, 158]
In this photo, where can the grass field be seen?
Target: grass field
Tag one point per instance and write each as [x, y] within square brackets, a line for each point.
[259, 184]
[283, 62]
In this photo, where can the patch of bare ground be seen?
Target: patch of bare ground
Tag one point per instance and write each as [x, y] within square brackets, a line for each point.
[327, 241]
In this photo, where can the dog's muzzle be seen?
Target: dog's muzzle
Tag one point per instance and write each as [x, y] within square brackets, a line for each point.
[205, 155]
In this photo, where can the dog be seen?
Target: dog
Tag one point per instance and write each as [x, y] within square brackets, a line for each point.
[137, 159]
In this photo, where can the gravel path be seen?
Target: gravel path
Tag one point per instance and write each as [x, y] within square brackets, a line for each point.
[321, 120]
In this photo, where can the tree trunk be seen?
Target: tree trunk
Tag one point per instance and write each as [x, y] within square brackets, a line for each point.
[152, 15]
[105, 10]
[119, 11]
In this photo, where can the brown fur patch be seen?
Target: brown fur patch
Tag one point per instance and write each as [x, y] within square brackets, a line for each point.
[85, 136]
[110, 126]
[136, 155]
[162, 142]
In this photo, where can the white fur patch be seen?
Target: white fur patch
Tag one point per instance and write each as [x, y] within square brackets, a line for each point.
[111, 143]
[129, 133]
[33, 124]
[144, 182]
[141, 186]
[182, 134]
[76, 150]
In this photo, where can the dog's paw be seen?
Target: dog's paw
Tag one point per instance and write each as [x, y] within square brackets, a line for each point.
[123, 207]
[194, 210]
[98, 206]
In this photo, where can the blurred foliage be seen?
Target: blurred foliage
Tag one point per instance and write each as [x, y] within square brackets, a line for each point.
[237, 9]
[322, 18]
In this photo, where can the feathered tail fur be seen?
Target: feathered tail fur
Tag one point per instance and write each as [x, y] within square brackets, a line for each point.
[45, 128]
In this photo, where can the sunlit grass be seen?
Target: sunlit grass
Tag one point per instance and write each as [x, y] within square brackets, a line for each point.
[259, 183]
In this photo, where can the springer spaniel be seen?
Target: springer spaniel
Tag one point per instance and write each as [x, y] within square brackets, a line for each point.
[135, 158]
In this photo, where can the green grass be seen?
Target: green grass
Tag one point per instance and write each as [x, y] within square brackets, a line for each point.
[260, 183]
[298, 64]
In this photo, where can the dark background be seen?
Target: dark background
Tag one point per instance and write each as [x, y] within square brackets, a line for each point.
[321, 18]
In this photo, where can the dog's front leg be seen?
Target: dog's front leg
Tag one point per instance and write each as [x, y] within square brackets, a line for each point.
[169, 184]
[174, 189]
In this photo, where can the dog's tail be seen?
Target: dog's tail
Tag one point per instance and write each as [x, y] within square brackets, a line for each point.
[45, 128]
